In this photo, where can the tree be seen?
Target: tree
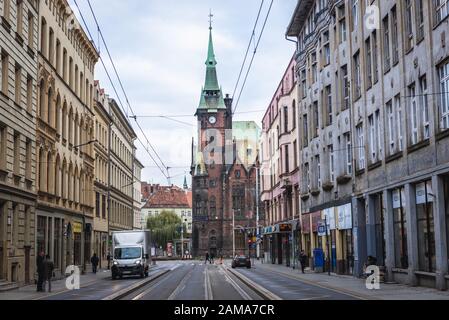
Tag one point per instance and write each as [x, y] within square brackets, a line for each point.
[164, 227]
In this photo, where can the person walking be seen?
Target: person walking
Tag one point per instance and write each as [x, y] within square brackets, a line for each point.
[94, 261]
[49, 268]
[207, 257]
[303, 260]
[40, 271]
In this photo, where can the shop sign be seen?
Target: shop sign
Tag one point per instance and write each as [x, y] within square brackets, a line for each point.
[421, 193]
[77, 227]
[329, 214]
[284, 227]
[316, 218]
[322, 229]
[345, 217]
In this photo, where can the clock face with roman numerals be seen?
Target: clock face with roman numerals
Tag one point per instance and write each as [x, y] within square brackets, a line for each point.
[212, 120]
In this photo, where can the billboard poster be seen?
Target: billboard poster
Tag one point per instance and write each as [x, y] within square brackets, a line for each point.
[329, 214]
[345, 217]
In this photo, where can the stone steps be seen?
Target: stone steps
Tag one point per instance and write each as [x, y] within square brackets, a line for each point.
[7, 286]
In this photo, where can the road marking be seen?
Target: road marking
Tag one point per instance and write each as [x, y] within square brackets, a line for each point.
[207, 285]
[182, 284]
[316, 298]
[261, 291]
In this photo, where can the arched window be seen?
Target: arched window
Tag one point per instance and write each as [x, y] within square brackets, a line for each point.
[198, 205]
[58, 177]
[50, 111]
[64, 121]
[50, 171]
[71, 126]
[42, 167]
[44, 37]
[70, 182]
[64, 180]
[42, 104]
[77, 131]
[77, 186]
[51, 47]
[213, 208]
[58, 115]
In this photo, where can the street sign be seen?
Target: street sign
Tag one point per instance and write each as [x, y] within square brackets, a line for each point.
[321, 229]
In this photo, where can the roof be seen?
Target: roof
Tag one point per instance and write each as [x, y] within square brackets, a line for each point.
[299, 17]
[170, 197]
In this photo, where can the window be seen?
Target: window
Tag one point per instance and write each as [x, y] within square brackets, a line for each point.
[326, 49]
[287, 160]
[394, 35]
[375, 63]
[17, 160]
[294, 114]
[348, 153]
[306, 176]
[328, 105]
[5, 73]
[398, 108]
[19, 14]
[444, 89]
[51, 47]
[372, 139]
[357, 79]
[386, 43]
[368, 71]
[28, 158]
[391, 127]
[318, 170]
[414, 114]
[237, 174]
[342, 28]
[306, 128]
[29, 94]
[345, 88]
[7, 9]
[331, 164]
[419, 13]
[361, 146]
[30, 30]
[424, 107]
[3, 138]
[303, 84]
[408, 25]
[441, 10]
[285, 119]
[426, 231]
[314, 68]
[316, 123]
[400, 229]
[355, 14]
[295, 154]
[379, 134]
[97, 204]
[18, 85]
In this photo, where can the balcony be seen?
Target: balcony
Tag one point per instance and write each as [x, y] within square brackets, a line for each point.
[328, 186]
[344, 178]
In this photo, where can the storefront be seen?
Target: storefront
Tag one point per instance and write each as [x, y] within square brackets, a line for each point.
[344, 240]
[279, 241]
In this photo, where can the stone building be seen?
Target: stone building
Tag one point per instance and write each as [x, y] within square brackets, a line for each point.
[280, 174]
[223, 172]
[18, 71]
[139, 222]
[375, 154]
[103, 124]
[65, 137]
[121, 165]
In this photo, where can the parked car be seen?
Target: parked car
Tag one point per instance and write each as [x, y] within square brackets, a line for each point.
[241, 261]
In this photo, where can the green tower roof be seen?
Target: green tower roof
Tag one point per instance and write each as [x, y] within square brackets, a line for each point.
[211, 94]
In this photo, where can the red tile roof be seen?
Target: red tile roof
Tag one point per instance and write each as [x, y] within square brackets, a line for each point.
[169, 197]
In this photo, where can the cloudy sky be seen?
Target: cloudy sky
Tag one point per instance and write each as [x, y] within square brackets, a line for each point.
[159, 48]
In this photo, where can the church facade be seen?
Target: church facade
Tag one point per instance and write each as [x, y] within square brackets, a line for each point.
[224, 173]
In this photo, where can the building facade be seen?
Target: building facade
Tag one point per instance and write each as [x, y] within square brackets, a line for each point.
[65, 136]
[103, 124]
[280, 174]
[18, 45]
[139, 222]
[223, 184]
[374, 153]
[121, 165]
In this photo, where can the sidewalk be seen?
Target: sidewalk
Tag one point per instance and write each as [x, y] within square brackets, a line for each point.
[357, 287]
[57, 286]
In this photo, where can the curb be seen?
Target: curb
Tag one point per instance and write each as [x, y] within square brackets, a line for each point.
[261, 291]
[124, 292]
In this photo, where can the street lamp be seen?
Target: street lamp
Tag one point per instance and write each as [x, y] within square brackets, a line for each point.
[85, 144]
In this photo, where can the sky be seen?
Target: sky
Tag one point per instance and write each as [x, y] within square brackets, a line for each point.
[159, 48]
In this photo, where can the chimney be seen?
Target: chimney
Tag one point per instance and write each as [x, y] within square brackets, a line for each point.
[228, 103]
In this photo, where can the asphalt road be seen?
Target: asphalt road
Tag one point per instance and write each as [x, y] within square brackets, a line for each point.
[193, 280]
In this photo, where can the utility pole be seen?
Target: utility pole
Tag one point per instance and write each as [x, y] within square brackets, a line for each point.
[328, 246]
[182, 239]
[233, 233]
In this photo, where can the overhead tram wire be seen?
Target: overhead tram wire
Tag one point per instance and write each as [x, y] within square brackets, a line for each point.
[120, 102]
[253, 34]
[254, 54]
[121, 83]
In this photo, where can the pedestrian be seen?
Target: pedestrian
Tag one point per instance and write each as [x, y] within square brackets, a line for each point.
[40, 271]
[108, 257]
[207, 257]
[94, 260]
[212, 256]
[49, 268]
[303, 260]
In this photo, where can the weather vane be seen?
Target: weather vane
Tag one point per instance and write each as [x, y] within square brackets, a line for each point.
[210, 19]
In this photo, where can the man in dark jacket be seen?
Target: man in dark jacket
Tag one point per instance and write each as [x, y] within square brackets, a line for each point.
[207, 257]
[303, 260]
[49, 268]
[40, 271]
[94, 260]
